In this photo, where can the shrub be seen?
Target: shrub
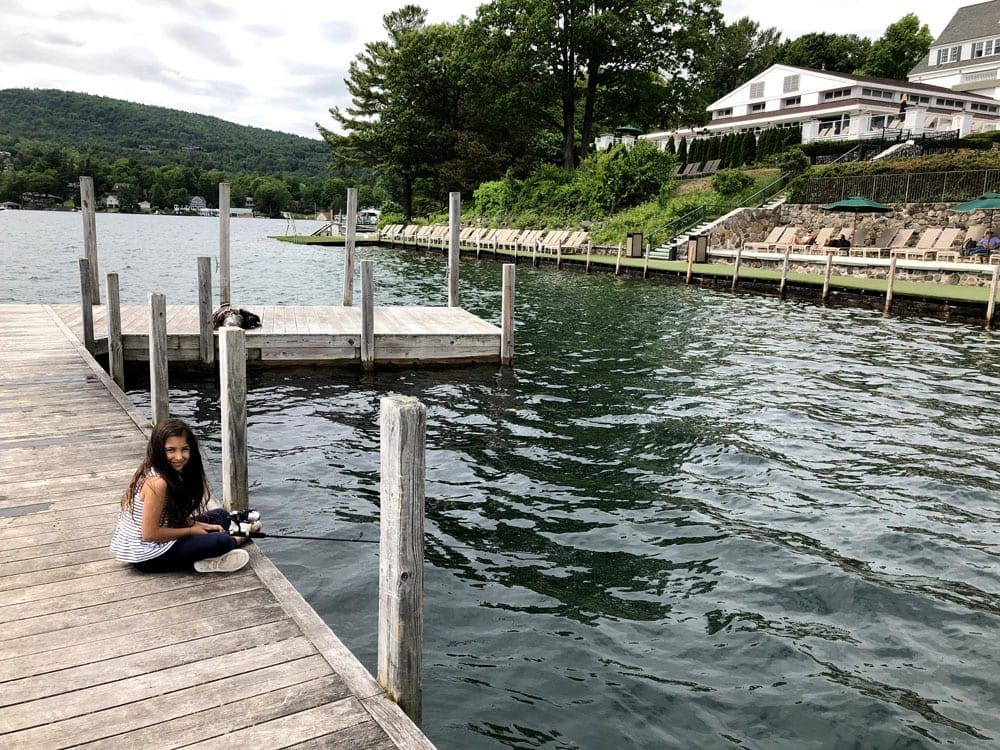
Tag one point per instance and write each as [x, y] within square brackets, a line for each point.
[731, 181]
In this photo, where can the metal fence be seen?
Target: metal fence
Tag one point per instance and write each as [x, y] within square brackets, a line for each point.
[924, 187]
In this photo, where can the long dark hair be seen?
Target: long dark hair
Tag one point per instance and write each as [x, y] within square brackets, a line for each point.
[187, 490]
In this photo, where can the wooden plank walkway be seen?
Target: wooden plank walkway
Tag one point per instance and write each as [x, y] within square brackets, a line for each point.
[93, 652]
[293, 334]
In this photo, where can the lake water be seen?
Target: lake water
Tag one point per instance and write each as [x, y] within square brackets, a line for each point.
[685, 519]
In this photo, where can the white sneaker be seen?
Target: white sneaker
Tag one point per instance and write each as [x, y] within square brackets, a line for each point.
[227, 563]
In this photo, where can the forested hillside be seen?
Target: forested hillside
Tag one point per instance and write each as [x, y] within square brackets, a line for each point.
[111, 129]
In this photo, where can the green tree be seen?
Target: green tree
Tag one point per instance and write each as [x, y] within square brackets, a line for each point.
[271, 197]
[581, 60]
[845, 53]
[899, 49]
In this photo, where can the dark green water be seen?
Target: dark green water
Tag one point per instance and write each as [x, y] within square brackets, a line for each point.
[685, 519]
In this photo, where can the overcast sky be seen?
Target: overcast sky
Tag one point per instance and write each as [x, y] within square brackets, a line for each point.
[281, 65]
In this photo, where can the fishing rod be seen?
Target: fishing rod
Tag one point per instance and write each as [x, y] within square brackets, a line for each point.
[246, 523]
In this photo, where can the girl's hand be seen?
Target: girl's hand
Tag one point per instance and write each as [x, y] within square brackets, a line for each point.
[200, 527]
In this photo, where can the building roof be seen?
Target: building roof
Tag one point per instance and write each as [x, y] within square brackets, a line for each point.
[886, 82]
[979, 21]
[972, 22]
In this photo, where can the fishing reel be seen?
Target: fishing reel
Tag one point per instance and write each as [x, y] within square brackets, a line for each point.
[244, 522]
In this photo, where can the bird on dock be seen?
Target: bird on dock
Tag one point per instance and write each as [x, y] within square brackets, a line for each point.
[227, 315]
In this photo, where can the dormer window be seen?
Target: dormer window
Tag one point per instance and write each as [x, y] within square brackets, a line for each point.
[949, 54]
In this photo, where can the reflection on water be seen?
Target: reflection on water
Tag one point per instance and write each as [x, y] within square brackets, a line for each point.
[686, 519]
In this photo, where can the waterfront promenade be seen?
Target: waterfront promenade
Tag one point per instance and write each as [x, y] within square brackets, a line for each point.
[92, 651]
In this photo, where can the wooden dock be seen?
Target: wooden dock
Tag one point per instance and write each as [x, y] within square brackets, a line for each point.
[94, 652]
[293, 334]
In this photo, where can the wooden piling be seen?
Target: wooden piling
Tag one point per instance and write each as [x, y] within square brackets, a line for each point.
[88, 208]
[559, 255]
[590, 247]
[349, 240]
[736, 267]
[206, 336]
[784, 272]
[618, 260]
[403, 423]
[890, 281]
[534, 253]
[993, 295]
[690, 261]
[159, 392]
[116, 349]
[507, 316]
[645, 263]
[826, 277]
[225, 279]
[87, 304]
[367, 315]
[233, 395]
[454, 231]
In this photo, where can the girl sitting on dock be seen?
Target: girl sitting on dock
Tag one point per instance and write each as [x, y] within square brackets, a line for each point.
[162, 524]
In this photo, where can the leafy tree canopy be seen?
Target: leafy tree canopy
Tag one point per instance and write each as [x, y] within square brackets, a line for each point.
[893, 55]
[843, 53]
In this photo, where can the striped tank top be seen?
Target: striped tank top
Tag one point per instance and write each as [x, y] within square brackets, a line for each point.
[127, 542]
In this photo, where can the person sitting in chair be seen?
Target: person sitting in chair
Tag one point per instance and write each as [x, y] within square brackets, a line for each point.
[840, 241]
[807, 238]
[988, 244]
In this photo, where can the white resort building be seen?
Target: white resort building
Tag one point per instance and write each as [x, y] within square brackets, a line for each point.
[952, 91]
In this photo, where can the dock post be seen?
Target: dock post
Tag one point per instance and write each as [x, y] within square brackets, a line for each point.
[367, 315]
[826, 276]
[534, 253]
[89, 210]
[352, 222]
[478, 243]
[993, 295]
[618, 260]
[784, 272]
[645, 263]
[590, 247]
[233, 394]
[159, 392]
[225, 279]
[690, 263]
[559, 255]
[454, 231]
[889, 283]
[206, 338]
[403, 424]
[736, 267]
[507, 316]
[87, 304]
[116, 349]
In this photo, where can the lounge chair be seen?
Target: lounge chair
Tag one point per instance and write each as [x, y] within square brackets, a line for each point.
[787, 241]
[690, 169]
[555, 240]
[711, 167]
[887, 238]
[944, 246]
[768, 242]
[577, 241]
[926, 242]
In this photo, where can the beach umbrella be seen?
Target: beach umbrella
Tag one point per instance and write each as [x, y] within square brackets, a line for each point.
[985, 202]
[857, 205]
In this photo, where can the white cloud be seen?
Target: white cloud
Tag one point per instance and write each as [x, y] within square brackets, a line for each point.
[281, 66]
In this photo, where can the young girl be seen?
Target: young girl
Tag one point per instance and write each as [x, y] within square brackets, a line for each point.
[161, 525]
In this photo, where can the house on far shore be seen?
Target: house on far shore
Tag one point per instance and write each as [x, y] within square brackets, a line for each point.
[197, 203]
[111, 201]
[966, 55]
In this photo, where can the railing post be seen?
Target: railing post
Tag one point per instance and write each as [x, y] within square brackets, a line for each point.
[993, 295]
[116, 350]
[225, 279]
[826, 277]
[349, 240]
[158, 386]
[454, 231]
[889, 282]
[367, 315]
[87, 304]
[507, 316]
[403, 424]
[233, 394]
[88, 207]
[206, 336]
